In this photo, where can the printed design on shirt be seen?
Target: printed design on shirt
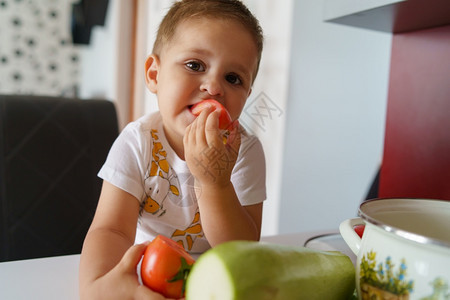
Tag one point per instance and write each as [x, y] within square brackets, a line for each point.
[162, 183]
[164, 178]
[187, 237]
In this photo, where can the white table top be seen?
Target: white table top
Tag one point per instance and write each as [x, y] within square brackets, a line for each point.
[42, 278]
[56, 278]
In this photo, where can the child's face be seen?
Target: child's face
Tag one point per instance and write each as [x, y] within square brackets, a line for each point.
[206, 59]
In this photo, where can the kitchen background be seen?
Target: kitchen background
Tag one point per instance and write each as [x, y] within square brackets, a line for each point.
[318, 105]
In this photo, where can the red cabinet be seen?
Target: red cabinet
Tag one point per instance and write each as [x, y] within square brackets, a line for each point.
[416, 161]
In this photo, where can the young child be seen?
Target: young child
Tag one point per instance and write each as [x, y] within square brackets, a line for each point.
[171, 172]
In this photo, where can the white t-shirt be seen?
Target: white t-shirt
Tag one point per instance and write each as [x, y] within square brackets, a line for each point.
[142, 163]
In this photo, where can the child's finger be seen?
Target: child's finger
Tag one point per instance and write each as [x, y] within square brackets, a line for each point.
[202, 120]
[212, 132]
[132, 257]
[144, 293]
[234, 139]
[204, 114]
[189, 133]
[234, 132]
[212, 122]
[197, 129]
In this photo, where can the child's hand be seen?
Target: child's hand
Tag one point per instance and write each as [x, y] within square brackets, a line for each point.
[122, 281]
[209, 158]
[144, 293]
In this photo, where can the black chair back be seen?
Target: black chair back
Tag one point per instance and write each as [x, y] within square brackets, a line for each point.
[50, 152]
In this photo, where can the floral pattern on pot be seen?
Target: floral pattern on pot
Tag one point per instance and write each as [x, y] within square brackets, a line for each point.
[382, 280]
[440, 290]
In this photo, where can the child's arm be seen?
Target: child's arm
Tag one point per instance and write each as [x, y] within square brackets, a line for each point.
[108, 260]
[224, 218]
[211, 162]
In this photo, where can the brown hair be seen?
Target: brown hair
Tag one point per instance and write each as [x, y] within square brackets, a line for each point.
[222, 9]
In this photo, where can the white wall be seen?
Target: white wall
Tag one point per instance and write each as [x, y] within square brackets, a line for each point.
[335, 119]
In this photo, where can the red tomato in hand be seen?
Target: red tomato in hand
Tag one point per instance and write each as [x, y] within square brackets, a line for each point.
[359, 229]
[165, 267]
[224, 118]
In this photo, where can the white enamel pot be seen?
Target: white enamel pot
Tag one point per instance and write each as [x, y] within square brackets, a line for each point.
[404, 252]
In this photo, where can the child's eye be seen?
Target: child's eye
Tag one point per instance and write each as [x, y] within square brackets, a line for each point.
[195, 66]
[233, 79]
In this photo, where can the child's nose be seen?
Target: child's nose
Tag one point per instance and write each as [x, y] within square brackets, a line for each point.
[213, 86]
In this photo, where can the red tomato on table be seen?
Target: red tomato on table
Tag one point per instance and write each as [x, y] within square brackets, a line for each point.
[165, 267]
[224, 118]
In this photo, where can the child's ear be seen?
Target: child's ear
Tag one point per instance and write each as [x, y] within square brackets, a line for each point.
[151, 72]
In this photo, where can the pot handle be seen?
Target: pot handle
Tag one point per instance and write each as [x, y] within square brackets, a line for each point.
[349, 235]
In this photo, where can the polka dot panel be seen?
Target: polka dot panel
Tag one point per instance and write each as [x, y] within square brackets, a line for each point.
[37, 55]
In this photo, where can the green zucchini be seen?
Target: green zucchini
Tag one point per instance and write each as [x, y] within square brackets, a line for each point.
[253, 270]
